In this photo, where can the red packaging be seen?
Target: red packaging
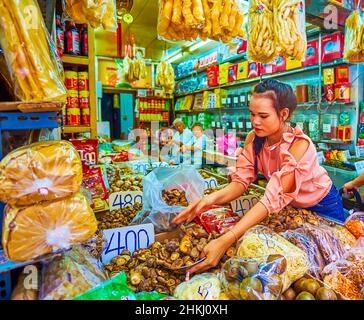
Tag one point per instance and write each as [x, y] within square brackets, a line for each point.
[242, 47]
[332, 47]
[94, 182]
[342, 92]
[312, 53]
[213, 76]
[330, 92]
[121, 157]
[342, 74]
[217, 219]
[233, 71]
[280, 65]
[266, 68]
[253, 69]
[88, 150]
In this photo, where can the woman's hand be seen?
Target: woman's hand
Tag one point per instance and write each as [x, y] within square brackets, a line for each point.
[350, 186]
[188, 214]
[213, 252]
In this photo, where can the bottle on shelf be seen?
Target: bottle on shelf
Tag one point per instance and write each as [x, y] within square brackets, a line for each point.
[313, 126]
[72, 39]
[84, 40]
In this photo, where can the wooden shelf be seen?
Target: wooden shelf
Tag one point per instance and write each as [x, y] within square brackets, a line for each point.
[77, 60]
[28, 107]
[76, 129]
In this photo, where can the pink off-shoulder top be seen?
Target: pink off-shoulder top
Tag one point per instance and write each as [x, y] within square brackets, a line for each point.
[312, 182]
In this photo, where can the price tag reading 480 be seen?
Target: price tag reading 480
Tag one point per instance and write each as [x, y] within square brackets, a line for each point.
[120, 200]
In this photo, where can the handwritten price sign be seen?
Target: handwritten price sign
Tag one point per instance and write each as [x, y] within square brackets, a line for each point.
[131, 238]
[211, 183]
[359, 167]
[242, 205]
[119, 200]
[141, 167]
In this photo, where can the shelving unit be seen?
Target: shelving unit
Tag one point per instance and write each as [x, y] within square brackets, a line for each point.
[90, 63]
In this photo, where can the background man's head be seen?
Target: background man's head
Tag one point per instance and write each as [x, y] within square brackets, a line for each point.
[179, 125]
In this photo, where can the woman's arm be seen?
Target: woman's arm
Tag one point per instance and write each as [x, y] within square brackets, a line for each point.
[354, 184]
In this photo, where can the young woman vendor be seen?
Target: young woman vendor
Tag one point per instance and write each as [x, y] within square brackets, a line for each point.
[286, 157]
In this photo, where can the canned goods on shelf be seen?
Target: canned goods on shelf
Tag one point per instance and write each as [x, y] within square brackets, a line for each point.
[72, 99]
[73, 116]
[83, 80]
[85, 116]
[84, 99]
[71, 80]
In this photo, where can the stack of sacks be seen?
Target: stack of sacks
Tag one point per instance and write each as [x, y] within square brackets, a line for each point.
[45, 210]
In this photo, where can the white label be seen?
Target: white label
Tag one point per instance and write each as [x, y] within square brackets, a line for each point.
[211, 183]
[311, 126]
[326, 128]
[249, 125]
[347, 154]
[218, 124]
[223, 100]
[242, 99]
[119, 200]
[359, 150]
[213, 123]
[359, 167]
[141, 167]
[228, 100]
[240, 124]
[300, 124]
[234, 125]
[131, 238]
[236, 99]
[242, 205]
[321, 157]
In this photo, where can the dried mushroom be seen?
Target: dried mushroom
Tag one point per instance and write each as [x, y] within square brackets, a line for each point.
[129, 183]
[175, 197]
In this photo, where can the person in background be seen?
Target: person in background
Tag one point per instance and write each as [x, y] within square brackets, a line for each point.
[182, 136]
[287, 158]
[354, 184]
[165, 138]
[193, 150]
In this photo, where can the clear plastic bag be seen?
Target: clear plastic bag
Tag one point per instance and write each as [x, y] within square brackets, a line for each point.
[69, 275]
[28, 52]
[155, 210]
[30, 232]
[254, 279]
[329, 245]
[96, 244]
[355, 224]
[40, 172]
[300, 239]
[345, 237]
[354, 37]
[261, 37]
[260, 242]
[290, 28]
[204, 286]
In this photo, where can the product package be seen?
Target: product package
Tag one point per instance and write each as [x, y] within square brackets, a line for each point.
[29, 53]
[354, 37]
[355, 224]
[46, 227]
[88, 150]
[41, 171]
[312, 53]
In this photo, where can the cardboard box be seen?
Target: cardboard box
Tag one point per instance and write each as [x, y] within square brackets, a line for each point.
[342, 74]
[329, 76]
[266, 68]
[242, 70]
[213, 76]
[292, 63]
[280, 65]
[253, 69]
[108, 72]
[332, 47]
[224, 73]
[312, 53]
[233, 70]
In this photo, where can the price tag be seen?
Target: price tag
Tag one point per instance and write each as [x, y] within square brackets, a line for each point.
[218, 124]
[223, 100]
[347, 154]
[141, 167]
[236, 99]
[242, 99]
[242, 205]
[234, 125]
[211, 183]
[326, 128]
[311, 127]
[359, 167]
[359, 150]
[249, 125]
[240, 124]
[119, 200]
[321, 157]
[228, 100]
[131, 238]
[213, 124]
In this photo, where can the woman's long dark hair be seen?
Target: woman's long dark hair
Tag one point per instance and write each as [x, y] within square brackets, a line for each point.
[282, 96]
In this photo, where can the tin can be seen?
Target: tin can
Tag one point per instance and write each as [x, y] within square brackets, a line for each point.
[85, 116]
[71, 80]
[84, 99]
[73, 116]
[72, 99]
[83, 81]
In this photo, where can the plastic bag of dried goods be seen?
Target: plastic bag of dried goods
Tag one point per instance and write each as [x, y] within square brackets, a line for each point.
[260, 242]
[355, 224]
[354, 37]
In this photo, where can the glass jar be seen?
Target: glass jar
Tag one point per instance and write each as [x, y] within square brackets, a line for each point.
[329, 126]
[313, 126]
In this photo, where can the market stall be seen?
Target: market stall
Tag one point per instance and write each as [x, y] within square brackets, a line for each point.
[90, 207]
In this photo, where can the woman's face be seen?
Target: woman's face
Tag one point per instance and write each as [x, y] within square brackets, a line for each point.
[197, 131]
[264, 117]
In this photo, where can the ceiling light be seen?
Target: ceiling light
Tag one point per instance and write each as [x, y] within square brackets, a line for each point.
[175, 57]
[198, 45]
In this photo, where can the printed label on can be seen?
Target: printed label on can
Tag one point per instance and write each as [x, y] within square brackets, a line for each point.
[71, 81]
[73, 116]
[84, 99]
[72, 99]
[85, 118]
[83, 81]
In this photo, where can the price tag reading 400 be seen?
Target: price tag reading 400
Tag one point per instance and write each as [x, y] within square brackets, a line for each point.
[242, 205]
[211, 183]
[131, 238]
[119, 200]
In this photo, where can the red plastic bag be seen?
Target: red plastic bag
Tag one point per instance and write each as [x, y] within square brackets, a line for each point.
[94, 182]
[88, 150]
